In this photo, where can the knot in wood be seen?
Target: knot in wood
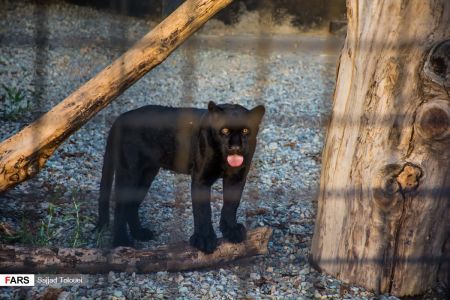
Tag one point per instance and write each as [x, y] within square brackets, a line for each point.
[434, 120]
[33, 168]
[437, 65]
[440, 60]
[392, 182]
[14, 177]
[391, 186]
[408, 179]
[385, 186]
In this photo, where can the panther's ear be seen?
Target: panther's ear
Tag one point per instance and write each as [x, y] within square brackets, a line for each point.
[212, 107]
[257, 113]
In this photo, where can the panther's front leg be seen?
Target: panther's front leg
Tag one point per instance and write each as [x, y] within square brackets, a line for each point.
[232, 192]
[204, 237]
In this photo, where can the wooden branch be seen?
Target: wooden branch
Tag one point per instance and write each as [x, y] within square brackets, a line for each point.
[25, 153]
[123, 259]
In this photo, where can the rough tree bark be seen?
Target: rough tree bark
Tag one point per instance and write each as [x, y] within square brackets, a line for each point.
[383, 208]
[165, 258]
[25, 153]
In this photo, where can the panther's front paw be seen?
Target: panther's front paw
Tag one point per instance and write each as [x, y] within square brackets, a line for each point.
[204, 242]
[122, 241]
[234, 234]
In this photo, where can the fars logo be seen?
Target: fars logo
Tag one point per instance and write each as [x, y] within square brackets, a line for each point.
[16, 279]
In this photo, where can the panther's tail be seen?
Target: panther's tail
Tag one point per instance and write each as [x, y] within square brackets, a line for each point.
[106, 181]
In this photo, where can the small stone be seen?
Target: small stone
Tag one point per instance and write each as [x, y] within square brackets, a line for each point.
[118, 294]
[179, 278]
[273, 146]
[254, 276]
[111, 277]
[269, 269]
[183, 289]
[304, 271]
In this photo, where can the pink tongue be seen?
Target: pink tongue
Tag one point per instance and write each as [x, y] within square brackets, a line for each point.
[235, 160]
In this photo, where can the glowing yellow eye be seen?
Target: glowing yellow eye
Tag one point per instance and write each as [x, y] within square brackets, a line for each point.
[245, 131]
[225, 131]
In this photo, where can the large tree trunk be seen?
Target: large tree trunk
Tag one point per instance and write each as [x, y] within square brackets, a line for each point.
[165, 258]
[383, 208]
[24, 154]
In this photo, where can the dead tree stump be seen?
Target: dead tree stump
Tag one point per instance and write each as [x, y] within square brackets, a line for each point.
[384, 203]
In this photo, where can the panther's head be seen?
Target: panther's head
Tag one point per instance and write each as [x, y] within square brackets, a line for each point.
[234, 129]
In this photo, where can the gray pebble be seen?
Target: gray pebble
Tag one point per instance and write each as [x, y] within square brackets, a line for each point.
[118, 294]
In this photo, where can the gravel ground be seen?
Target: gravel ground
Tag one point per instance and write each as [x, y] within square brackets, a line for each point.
[292, 75]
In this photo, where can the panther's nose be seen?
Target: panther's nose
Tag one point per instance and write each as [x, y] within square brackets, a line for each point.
[234, 148]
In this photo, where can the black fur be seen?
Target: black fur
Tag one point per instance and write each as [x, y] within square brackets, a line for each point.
[185, 140]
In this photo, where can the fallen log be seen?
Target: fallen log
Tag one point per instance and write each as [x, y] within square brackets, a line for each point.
[180, 257]
[25, 153]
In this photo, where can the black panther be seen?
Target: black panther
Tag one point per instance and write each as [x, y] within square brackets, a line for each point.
[208, 144]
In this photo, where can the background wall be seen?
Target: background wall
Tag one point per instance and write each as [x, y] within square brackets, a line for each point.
[305, 13]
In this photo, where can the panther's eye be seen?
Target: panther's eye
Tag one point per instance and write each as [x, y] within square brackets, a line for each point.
[225, 131]
[245, 131]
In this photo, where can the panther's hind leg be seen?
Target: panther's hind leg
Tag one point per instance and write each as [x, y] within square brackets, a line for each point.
[121, 237]
[136, 229]
[125, 187]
